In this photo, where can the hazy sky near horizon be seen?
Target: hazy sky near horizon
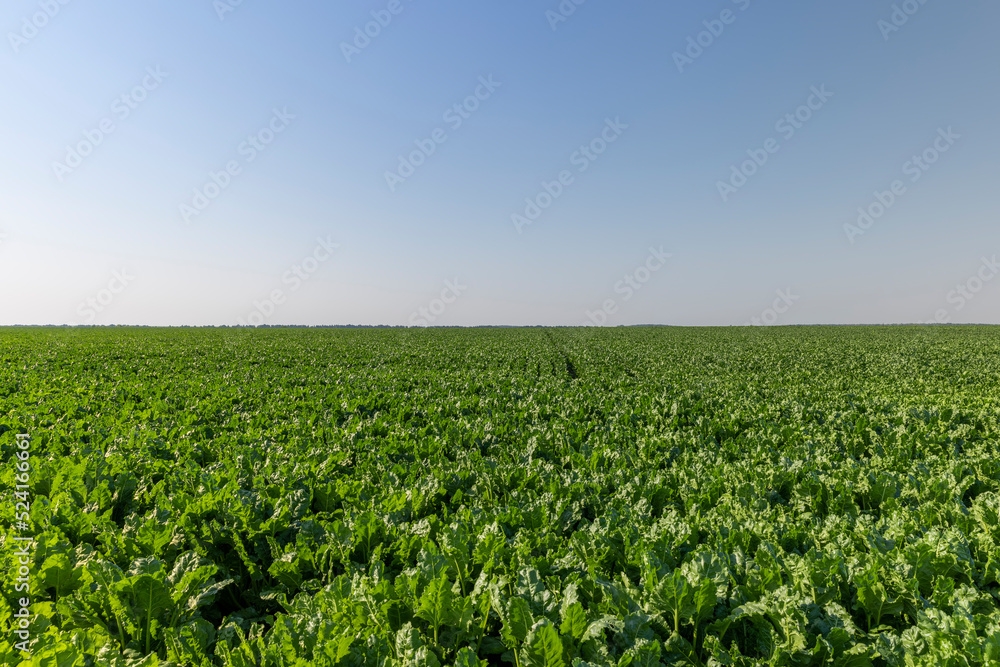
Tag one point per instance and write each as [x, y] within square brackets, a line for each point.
[456, 163]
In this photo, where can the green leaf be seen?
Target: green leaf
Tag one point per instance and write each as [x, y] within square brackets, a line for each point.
[397, 613]
[150, 599]
[517, 622]
[58, 572]
[343, 648]
[436, 604]
[286, 571]
[543, 648]
[606, 622]
[875, 600]
[425, 657]
[674, 597]
[149, 565]
[704, 601]
[189, 643]
[149, 596]
[531, 588]
[207, 594]
[574, 622]
[645, 653]
[467, 658]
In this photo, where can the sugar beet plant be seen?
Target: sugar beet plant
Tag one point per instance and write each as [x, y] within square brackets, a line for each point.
[524, 497]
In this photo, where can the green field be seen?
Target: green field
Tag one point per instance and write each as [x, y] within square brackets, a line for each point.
[629, 496]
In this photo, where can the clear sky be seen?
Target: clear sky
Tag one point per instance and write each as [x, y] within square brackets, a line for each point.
[462, 163]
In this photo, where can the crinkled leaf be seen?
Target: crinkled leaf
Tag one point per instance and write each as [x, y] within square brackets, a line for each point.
[543, 648]
[574, 621]
[517, 622]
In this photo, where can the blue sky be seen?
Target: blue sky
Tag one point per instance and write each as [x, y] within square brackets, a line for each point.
[209, 163]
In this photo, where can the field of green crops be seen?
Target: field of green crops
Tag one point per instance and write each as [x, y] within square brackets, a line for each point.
[525, 497]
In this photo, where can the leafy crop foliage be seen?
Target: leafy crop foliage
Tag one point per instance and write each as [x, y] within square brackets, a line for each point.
[525, 497]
